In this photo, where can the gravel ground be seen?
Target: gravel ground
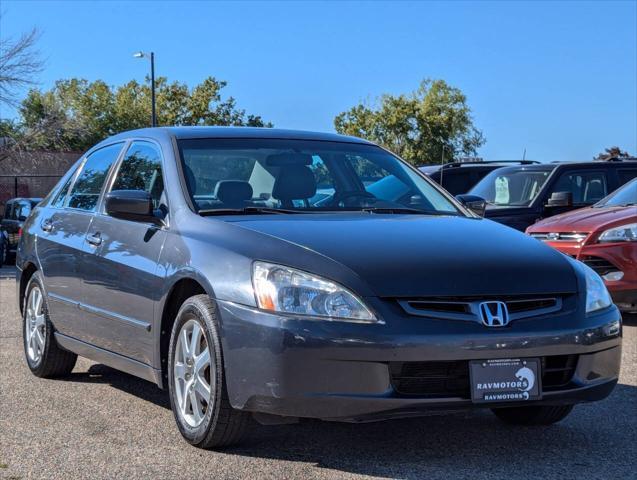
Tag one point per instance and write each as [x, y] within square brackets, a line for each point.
[100, 423]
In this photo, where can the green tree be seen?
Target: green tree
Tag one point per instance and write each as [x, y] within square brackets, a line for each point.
[76, 113]
[419, 125]
[612, 153]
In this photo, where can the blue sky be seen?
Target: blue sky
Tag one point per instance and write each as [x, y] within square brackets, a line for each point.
[559, 79]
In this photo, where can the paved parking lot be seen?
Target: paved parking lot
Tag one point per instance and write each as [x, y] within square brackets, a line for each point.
[100, 423]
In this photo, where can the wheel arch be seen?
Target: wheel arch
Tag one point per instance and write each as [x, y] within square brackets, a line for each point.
[181, 289]
[27, 272]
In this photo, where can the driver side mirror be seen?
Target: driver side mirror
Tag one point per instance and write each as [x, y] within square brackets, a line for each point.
[135, 205]
[476, 204]
[560, 199]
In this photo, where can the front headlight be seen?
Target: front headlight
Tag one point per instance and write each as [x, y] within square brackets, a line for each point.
[597, 296]
[623, 233]
[286, 290]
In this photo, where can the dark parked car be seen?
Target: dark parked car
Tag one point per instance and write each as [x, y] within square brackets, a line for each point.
[196, 259]
[521, 195]
[460, 177]
[16, 212]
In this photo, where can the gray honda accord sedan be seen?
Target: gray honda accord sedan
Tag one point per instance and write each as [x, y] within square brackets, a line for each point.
[271, 275]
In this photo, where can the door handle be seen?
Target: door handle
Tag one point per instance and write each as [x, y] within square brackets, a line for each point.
[47, 225]
[95, 239]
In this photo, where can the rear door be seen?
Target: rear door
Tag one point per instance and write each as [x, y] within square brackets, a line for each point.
[625, 175]
[121, 282]
[61, 232]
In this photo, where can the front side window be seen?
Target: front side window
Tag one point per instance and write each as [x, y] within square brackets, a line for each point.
[512, 186]
[88, 186]
[141, 170]
[586, 187]
[303, 175]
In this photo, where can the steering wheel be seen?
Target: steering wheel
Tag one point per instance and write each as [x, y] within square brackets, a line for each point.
[340, 198]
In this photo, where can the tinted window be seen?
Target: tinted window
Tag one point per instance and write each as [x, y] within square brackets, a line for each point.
[626, 175]
[458, 181]
[313, 175]
[8, 211]
[141, 170]
[586, 187]
[87, 188]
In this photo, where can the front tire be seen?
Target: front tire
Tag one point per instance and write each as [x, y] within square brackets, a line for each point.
[198, 393]
[3, 253]
[542, 415]
[44, 357]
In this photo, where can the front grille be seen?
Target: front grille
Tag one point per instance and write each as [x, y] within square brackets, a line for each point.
[600, 265]
[560, 236]
[468, 308]
[451, 378]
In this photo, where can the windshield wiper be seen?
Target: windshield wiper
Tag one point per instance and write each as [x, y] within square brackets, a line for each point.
[414, 211]
[246, 211]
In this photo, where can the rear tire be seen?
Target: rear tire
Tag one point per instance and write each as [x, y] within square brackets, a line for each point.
[204, 422]
[44, 357]
[542, 415]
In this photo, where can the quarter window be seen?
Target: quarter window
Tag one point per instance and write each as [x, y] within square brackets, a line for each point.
[60, 199]
[141, 170]
[87, 188]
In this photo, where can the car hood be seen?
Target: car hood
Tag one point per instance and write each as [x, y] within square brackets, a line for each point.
[585, 219]
[415, 255]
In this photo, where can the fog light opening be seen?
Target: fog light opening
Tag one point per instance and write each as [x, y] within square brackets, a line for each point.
[613, 276]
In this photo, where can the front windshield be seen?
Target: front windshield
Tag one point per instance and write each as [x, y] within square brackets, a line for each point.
[301, 175]
[511, 186]
[622, 197]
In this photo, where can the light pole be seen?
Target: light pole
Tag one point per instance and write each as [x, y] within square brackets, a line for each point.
[150, 56]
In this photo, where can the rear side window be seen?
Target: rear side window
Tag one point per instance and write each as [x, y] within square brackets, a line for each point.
[587, 187]
[626, 175]
[87, 188]
[8, 211]
[141, 170]
[22, 210]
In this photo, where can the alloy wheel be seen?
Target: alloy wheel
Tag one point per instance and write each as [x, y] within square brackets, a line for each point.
[192, 372]
[35, 328]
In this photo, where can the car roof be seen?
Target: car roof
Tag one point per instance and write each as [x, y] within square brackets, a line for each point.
[237, 132]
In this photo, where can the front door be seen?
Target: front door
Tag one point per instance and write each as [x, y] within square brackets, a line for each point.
[121, 282]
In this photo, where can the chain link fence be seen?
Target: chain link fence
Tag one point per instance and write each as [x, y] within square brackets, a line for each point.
[35, 185]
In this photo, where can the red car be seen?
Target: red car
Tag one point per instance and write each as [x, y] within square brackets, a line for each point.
[604, 237]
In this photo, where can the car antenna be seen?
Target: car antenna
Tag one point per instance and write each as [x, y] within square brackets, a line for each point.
[524, 154]
[442, 163]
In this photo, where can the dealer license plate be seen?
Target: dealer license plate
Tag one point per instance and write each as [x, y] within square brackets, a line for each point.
[505, 380]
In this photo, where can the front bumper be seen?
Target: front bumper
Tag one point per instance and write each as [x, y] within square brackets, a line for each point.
[342, 371]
